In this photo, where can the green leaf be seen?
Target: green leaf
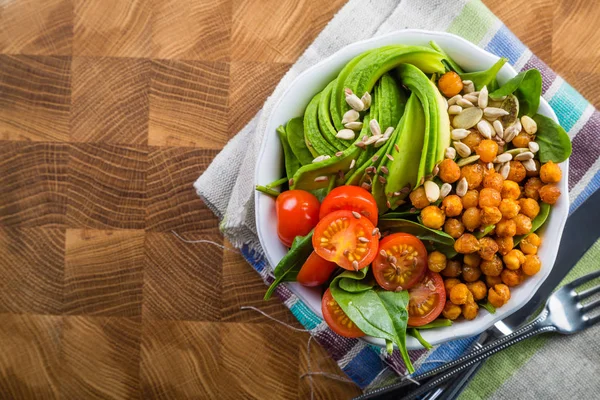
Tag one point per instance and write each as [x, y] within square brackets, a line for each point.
[485, 232]
[290, 264]
[290, 161]
[438, 323]
[448, 62]
[488, 306]
[414, 332]
[554, 142]
[537, 222]
[439, 239]
[527, 86]
[485, 78]
[401, 214]
[397, 305]
[355, 286]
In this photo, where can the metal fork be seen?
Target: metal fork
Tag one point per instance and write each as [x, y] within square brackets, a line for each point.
[563, 313]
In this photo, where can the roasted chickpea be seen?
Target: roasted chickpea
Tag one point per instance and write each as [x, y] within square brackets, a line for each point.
[489, 197]
[529, 207]
[487, 150]
[550, 173]
[449, 171]
[537, 169]
[470, 199]
[436, 261]
[498, 295]
[487, 248]
[505, 244]
[433, 217]
[549, 194]
[490, 281]
[493, 180]
[521, 140]
[532, 264]
[459, 294]
[473, 174]
[506, 227]
[510, 190]
[418, 198]
[522, 224]
[491, 267]
[472, 260]
[466, 244]
[470, 274]
[530, 244]
[452, 205]
[472, 140]
[509, 208]
[452, 270]
[514, 259]
[449, 284]
[471, 218]
[454, 227]
[478, 289]
[470, 310]
[450, 84]
[517, 171]
[511, 277]
[532, 188]
[451, 311]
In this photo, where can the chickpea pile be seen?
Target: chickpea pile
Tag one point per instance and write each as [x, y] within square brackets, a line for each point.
[487, 266]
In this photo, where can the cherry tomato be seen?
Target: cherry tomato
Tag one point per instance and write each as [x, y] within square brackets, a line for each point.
[337, 319]
[315, 270]
[404, 263]
[346, 240]
[351, 198]
[297, 214]
[427, 299]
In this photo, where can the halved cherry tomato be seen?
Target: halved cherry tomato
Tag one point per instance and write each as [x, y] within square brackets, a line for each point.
[352, 198]
[427, 299]
[297, 214]
[315, 271]
[337, 319]
[404, 263]
[346, 240]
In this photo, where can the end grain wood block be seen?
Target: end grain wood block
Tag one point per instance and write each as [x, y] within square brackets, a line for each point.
[182, 281]
[104, 272]
[30, 364]
[100, 358]
[110, 100]
[42, 27]
[188, 104]
[33, 178]
[31, 270]
[180, 360]
[35, 98]
[113, 28]
[191, 30]
[107, 186]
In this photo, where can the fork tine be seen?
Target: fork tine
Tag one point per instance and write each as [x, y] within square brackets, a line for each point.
[589, 321]
[588, 306]
[584, 279]
[587, 293]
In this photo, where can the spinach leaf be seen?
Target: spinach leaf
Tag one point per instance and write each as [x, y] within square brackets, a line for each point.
[438, 239]
[355, 286]
[291, 162]
[537, 222]
[528, 88]
[485, 231]
[438, 323]
[447, 61]
[290, 264]
[554, 142]
[401, 214]
[414, 332]
[397, 305]
[485, 78]
[488, 306]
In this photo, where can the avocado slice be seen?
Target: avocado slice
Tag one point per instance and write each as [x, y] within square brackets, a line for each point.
[291, 162]
[316, 144]
[328, 131]
[295, 135]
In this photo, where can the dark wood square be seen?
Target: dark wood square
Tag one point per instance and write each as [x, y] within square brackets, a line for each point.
[33, 178]
[107, 186]
[35, 98]
[182, 281]
[104, 272]
[115, 108]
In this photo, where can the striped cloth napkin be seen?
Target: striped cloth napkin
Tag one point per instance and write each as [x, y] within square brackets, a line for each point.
[532, 369]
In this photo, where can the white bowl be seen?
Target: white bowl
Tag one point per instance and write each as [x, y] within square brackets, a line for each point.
[292, 104]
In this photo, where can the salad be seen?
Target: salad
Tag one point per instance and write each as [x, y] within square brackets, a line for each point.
[414, 190]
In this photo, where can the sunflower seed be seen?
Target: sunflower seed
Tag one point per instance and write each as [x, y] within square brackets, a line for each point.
[321, 179]
[370, 169]
[498, 128]
[450, 153]
[382, 179]
[471, 97]
[350, 116]
[461, 188]
[467, 161]
[454, 109]
[467, 118]
[485, 128]
[511, 132]
[385, 169]
[356, 214]
[464, 103]
[445, 190]
[373, 139]
[494, 112]
[432, 191]
[360, 145]
[524, 156]
[436, 170]
[374, 158]
[529, 165]
[504, 157]
[388, 132]
[453, 100]
[366, 186]
[321, 158]
[348, 91]
[354, 102]
[462, 149]
[339, 154]
[366, 100]
[291, 182]
[374, 233]
[363, 239]
[396, 147]
[482, 100]
[355, 126]
[497, 167]
[505, 170]
[458, 134]
[490, 165]
[375, 128]
[529, 124]
[346, 134]
[380, 142]
[534, 147]
[355, 265]
[389, 157]
[468, 87]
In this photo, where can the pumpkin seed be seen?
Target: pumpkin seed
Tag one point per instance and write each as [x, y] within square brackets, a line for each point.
[467, 118]
[467, 161]
[511, 105]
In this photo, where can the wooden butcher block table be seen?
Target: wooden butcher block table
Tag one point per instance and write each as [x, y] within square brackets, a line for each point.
[109, 110]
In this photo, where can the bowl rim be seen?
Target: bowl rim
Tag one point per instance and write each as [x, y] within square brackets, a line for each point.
[351, 48]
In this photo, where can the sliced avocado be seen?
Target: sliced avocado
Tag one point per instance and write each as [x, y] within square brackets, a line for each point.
[328, 131]
[295, 136]
[444, 137]
[305, 177]
[291, 162]
[316, 144]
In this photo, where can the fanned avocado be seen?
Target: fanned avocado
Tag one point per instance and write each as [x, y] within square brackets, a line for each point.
[312, 135]
[295, 134]
[291, 162]
[305, 177]
[328, 131]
